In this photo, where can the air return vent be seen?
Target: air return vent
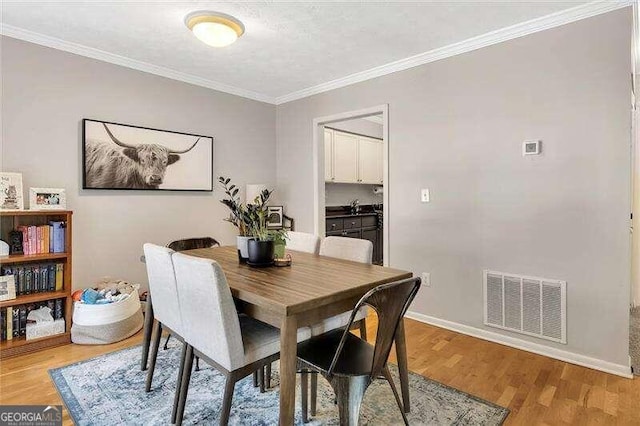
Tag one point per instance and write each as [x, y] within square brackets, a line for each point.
[526, 305]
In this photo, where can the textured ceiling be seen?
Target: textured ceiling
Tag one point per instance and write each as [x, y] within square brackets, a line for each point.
[287, 47]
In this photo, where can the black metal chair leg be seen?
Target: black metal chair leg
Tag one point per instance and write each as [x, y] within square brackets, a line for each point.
[176, 399]
[197, 363]
[227, 399]
[387, 375]
[314, 392]
[184, 386]
[166, 342]
[155, 344]
[304, 388]
[255, 379]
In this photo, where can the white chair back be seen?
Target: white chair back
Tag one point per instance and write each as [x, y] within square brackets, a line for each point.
[210, 316]
[348, 249]
[162, 286]
[302, 241]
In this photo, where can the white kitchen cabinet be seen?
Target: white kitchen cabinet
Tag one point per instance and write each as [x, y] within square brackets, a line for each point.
[350, 158]
[345, 157]
[369, 160]
[328, 155]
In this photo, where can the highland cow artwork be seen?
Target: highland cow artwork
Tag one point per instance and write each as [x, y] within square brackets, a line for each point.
[119, 156]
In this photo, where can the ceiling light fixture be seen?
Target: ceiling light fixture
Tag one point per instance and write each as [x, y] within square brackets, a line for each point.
[213, 28]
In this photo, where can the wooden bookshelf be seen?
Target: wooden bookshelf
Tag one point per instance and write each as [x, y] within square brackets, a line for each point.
[10, 220]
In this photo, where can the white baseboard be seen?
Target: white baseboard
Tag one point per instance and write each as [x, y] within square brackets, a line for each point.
[573, 358]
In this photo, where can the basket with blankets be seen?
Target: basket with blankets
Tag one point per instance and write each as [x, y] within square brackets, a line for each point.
[106, 313]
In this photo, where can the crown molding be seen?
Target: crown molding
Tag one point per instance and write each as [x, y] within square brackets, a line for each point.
[494, 37]
[101, 55]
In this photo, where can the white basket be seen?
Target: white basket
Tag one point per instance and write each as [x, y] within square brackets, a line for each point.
[106, 323]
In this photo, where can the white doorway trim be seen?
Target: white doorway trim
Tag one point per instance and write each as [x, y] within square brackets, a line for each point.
[318, 168]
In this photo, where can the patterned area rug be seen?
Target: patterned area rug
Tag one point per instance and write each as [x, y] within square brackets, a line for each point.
[634, 340]
[109, 390]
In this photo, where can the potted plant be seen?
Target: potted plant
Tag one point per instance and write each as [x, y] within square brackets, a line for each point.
[238, 216]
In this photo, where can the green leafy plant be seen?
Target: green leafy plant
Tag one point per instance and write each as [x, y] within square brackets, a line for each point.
[238, 215]
[250, 219]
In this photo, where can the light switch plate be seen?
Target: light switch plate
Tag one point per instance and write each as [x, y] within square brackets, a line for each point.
[531, 147]
[424, 195]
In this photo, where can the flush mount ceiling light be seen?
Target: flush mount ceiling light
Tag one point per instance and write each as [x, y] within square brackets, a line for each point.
[213, 28]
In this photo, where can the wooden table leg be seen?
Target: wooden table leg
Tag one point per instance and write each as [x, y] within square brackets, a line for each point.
[148, 328]
[288, 363]
[401, 355]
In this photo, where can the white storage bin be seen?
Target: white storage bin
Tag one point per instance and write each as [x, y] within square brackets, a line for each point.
[106, 323]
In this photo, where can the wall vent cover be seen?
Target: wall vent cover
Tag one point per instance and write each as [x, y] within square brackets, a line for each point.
[527, 305]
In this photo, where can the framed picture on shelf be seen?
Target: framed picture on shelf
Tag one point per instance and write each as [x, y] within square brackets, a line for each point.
[7, 287]
[121, 156]
[47, 199]
[274, 217]
[11, 191]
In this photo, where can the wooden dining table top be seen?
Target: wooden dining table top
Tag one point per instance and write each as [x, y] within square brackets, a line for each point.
[310, 282]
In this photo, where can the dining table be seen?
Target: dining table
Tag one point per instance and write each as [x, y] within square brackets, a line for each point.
[308, 291]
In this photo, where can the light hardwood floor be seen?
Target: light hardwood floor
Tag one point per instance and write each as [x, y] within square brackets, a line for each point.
[537, 389]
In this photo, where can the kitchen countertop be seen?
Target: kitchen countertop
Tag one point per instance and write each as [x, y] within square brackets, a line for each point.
[339, 215]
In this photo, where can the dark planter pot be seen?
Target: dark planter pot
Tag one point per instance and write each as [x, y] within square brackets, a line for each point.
[261, 253]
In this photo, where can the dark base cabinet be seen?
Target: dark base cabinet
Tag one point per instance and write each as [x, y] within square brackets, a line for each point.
[364, 227]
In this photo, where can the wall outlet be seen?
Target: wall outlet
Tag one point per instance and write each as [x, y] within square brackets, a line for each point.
[426, 279]
[424, 195]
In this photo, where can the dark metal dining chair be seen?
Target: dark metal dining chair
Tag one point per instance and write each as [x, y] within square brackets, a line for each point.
[350, 363]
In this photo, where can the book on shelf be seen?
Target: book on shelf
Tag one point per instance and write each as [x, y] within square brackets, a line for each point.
[9, 318]
[36, 278]
[42, 239]
[13, 319]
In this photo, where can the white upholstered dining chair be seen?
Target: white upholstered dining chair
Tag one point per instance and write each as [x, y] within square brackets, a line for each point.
[355, 250]
[303, 241]
[236, 345]
[163, 289]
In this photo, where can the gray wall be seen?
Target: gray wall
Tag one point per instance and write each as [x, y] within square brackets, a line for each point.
[456, 127]
[46, 93]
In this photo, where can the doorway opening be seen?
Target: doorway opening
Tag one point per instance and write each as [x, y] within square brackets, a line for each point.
[351, 177]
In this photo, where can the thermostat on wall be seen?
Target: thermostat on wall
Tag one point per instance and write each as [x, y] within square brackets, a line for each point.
[531, 147]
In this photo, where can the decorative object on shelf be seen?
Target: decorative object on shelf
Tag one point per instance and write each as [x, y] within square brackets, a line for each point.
[120, 156]
[47, 199]
[4, 247]
[11, 191]
[15, 242]
[7, 287]
[274, 217]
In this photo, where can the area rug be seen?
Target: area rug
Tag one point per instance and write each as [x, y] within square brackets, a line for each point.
[634, 340]
[109, 390]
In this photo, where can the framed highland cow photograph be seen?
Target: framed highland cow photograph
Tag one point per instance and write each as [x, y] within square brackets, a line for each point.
[121, 156]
